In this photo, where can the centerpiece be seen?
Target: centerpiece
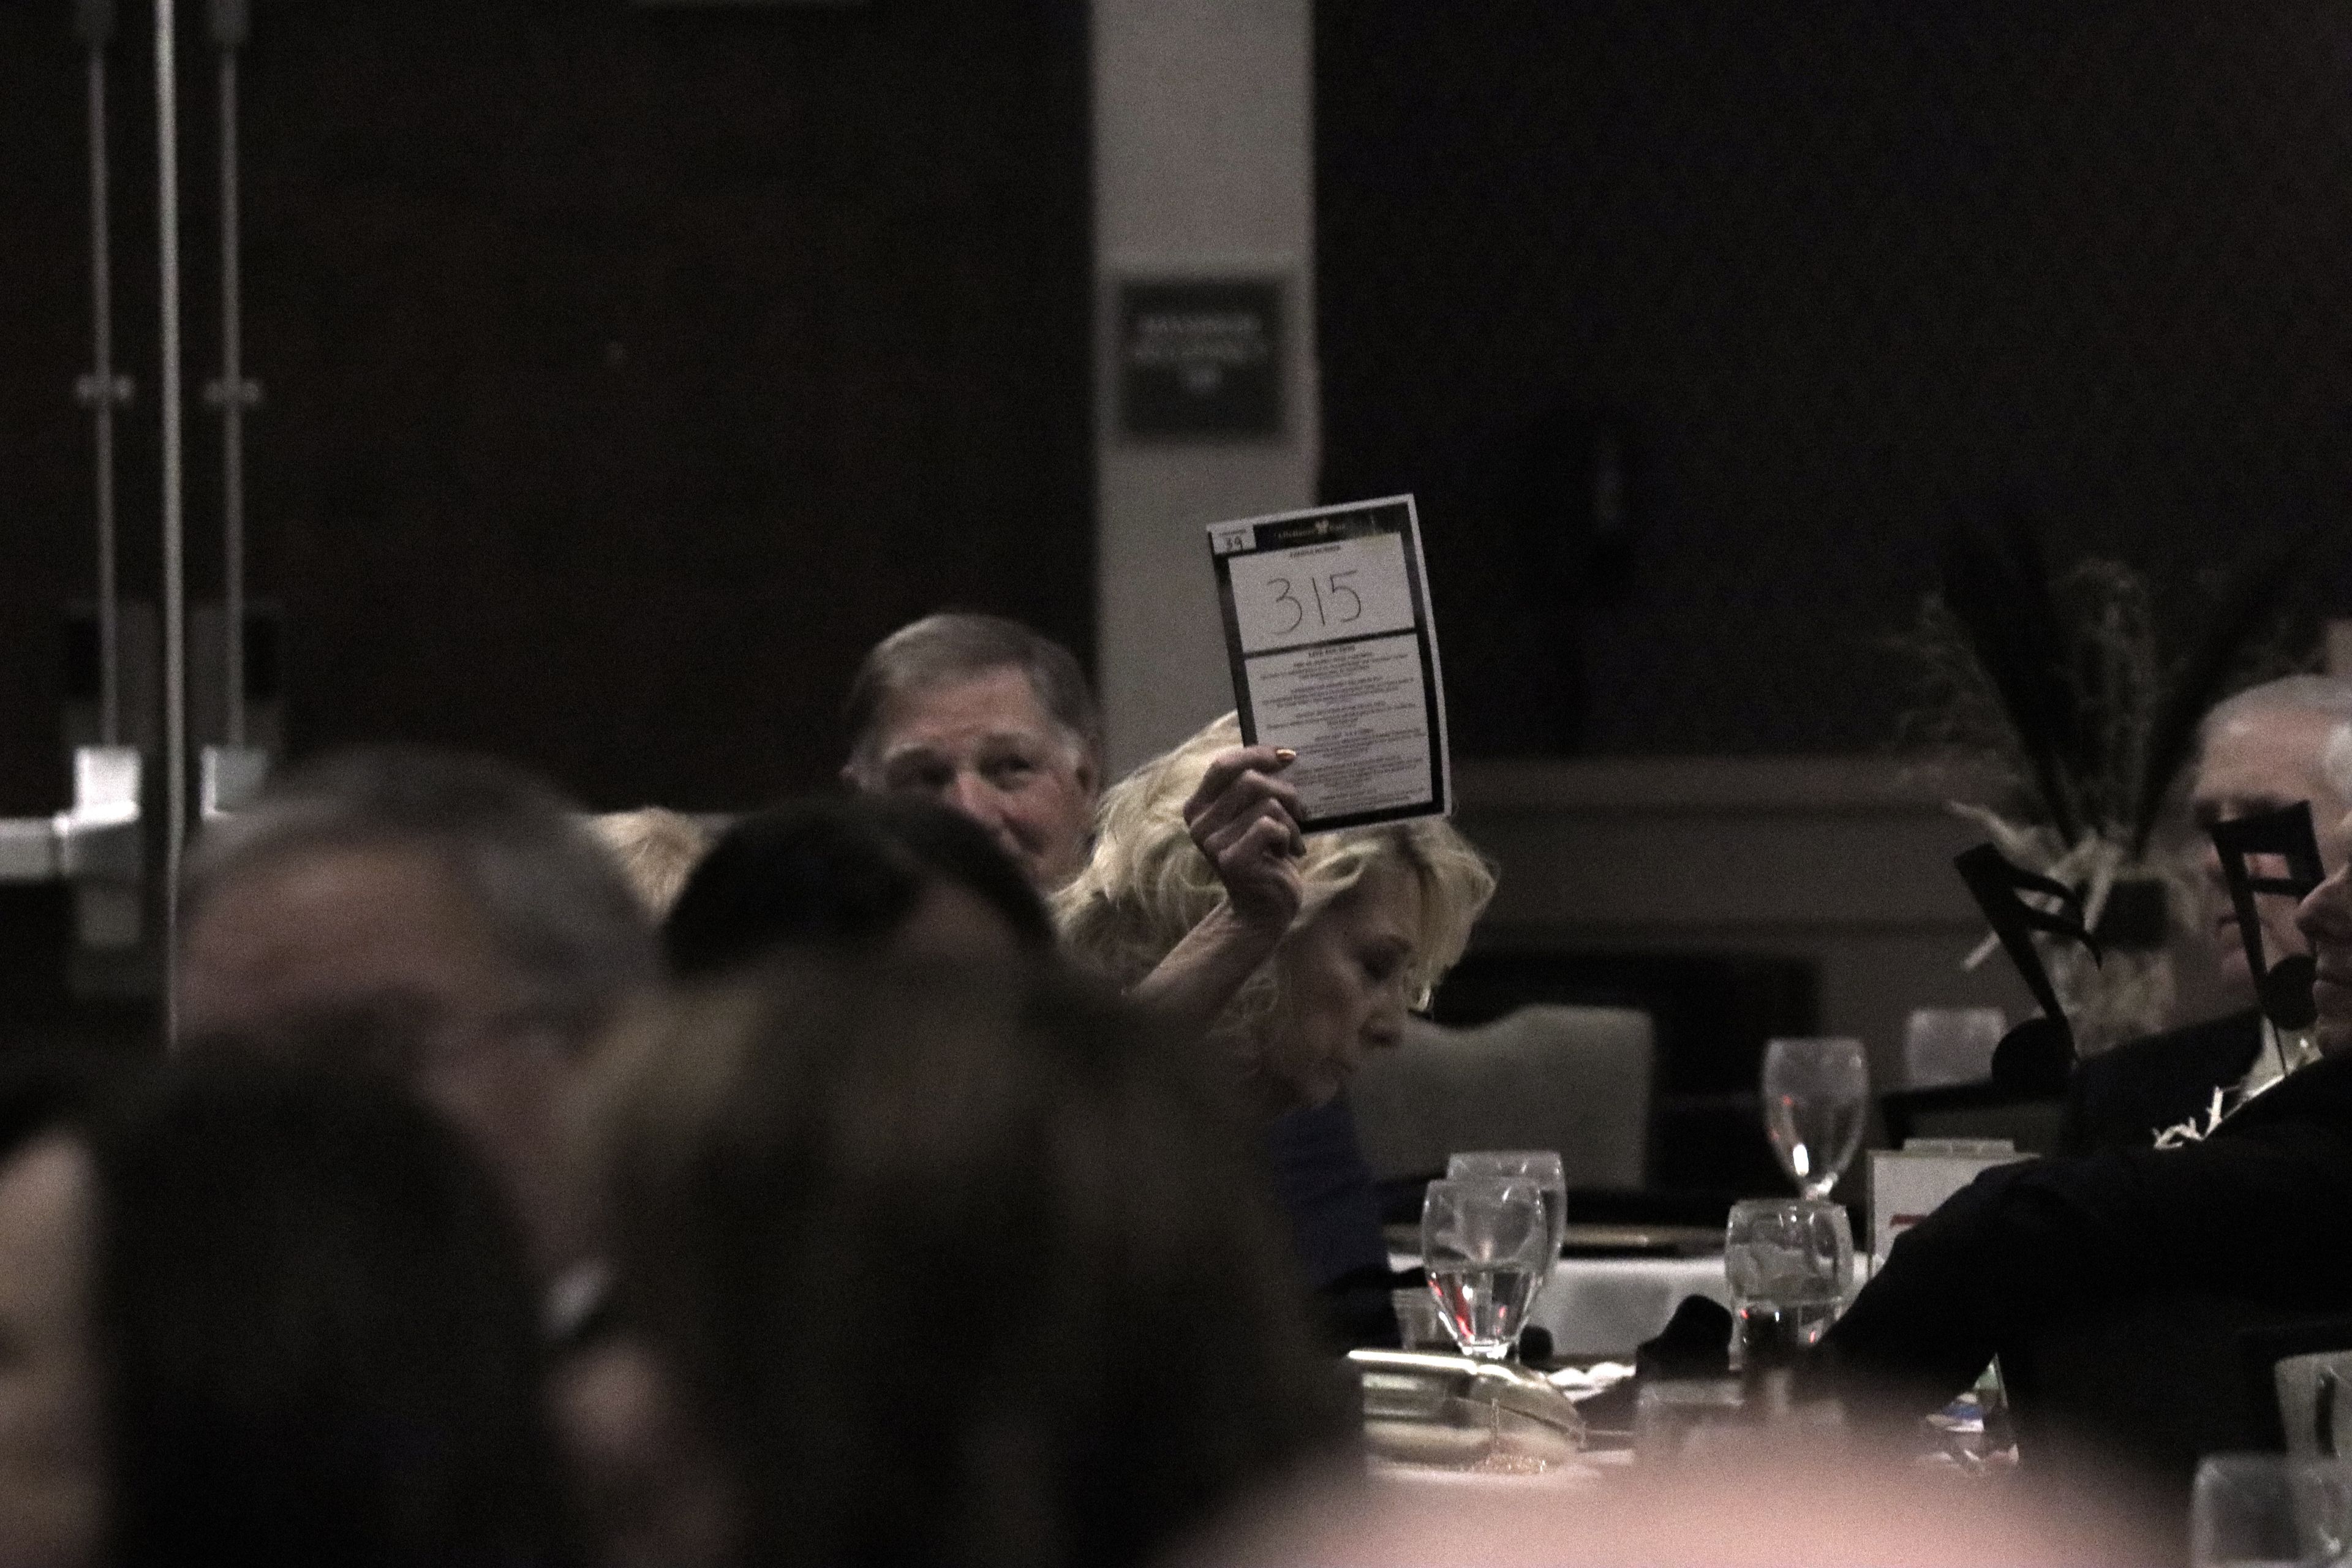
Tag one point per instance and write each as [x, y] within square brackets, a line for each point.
[2062, 694]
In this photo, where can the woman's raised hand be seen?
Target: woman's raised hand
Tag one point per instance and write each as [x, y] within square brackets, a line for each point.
[1245, 820]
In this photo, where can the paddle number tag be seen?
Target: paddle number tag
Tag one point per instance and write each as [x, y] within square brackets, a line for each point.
[1334, 655]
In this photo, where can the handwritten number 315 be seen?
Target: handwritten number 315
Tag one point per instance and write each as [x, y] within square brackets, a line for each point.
[1326, 592]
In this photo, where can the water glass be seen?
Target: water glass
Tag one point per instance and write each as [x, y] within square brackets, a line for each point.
[1482, 1246]
[1788, 1260]
[2269, 1509]
[1420, 1325]
[1540, 1166]
[1950, 1045]
[1816, 1096]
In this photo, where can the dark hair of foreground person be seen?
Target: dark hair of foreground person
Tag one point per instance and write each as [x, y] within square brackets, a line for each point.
[842, 873]
[956, 1266]
[309, 1324]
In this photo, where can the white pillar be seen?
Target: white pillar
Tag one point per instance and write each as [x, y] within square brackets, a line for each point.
[1204, 164]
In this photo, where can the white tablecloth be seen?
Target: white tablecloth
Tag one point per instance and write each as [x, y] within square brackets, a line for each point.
[1606, 1306]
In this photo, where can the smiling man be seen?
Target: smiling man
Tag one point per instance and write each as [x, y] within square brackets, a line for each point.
[988, 716]
[2114, 1286]
[2326, 921]
[996, 722]
[2270, 746]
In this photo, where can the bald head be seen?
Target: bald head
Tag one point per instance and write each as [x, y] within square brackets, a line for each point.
[2269, 747]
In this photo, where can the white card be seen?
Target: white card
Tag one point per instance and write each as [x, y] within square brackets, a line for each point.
[1334, 656]
[1908, 1184]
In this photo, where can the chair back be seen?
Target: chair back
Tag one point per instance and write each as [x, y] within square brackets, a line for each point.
[1574, 1079]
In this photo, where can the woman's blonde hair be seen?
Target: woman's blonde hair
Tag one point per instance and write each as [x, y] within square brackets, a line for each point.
[1148, 884]
[657, 849]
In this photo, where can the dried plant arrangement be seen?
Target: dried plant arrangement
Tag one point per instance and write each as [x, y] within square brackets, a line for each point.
[2064, 691]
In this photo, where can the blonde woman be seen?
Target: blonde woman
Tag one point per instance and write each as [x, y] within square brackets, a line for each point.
[1376, 916]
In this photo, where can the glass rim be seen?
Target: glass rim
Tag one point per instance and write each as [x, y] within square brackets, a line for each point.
[1489, 1183]
[1500, 1155]
[1783, 1205]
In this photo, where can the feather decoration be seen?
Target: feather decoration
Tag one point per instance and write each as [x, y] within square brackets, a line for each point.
[2250, 599]
[1999, 593]
[2100, 740]
[2062, 684]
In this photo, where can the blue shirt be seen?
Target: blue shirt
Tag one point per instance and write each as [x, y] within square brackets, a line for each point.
[1326, 1189]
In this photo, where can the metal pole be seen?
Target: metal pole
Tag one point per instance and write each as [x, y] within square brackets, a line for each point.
[229, 22]
[175, 587]
[232, 417]
[101, 395]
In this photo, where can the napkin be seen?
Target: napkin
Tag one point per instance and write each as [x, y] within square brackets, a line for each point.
[1584, 1381]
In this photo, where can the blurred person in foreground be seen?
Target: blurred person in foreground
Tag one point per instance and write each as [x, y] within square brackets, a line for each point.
[1759, 1501]
[2113, 1286]
[867, 874]
[1382, 914]
[253, 1314]
[989, 718]
[442, 917]
[930, 1264]
[2270, 746]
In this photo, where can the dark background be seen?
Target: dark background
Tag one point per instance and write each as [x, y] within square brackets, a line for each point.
[1835, 273]
[627, 372]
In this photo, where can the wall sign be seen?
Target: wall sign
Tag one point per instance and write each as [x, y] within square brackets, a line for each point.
[1201, 359]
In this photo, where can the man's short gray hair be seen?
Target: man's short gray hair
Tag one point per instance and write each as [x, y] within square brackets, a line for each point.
[2324, 696]
[954, 646]
[564, 919]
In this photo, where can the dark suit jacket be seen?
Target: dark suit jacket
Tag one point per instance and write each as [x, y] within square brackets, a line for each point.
[2259, 1213]
[2121, 1098]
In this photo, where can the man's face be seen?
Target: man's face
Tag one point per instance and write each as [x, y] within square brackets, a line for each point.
[2260, 763]
[381, 949]
[985, 746]
[2325, 918]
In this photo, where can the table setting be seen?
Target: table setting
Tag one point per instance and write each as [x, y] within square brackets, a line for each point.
[1500, 1256]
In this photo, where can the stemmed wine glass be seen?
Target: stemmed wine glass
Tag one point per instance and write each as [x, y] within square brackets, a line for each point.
[1816, 1096]
[1482, 1245]
[1540, 1166]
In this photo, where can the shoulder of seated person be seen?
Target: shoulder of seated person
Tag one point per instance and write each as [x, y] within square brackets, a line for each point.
[2215, 1050]
[2321, 1092]
[2229, 1033]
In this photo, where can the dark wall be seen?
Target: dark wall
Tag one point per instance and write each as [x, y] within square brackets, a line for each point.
[627, 370]
[1835, 273]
